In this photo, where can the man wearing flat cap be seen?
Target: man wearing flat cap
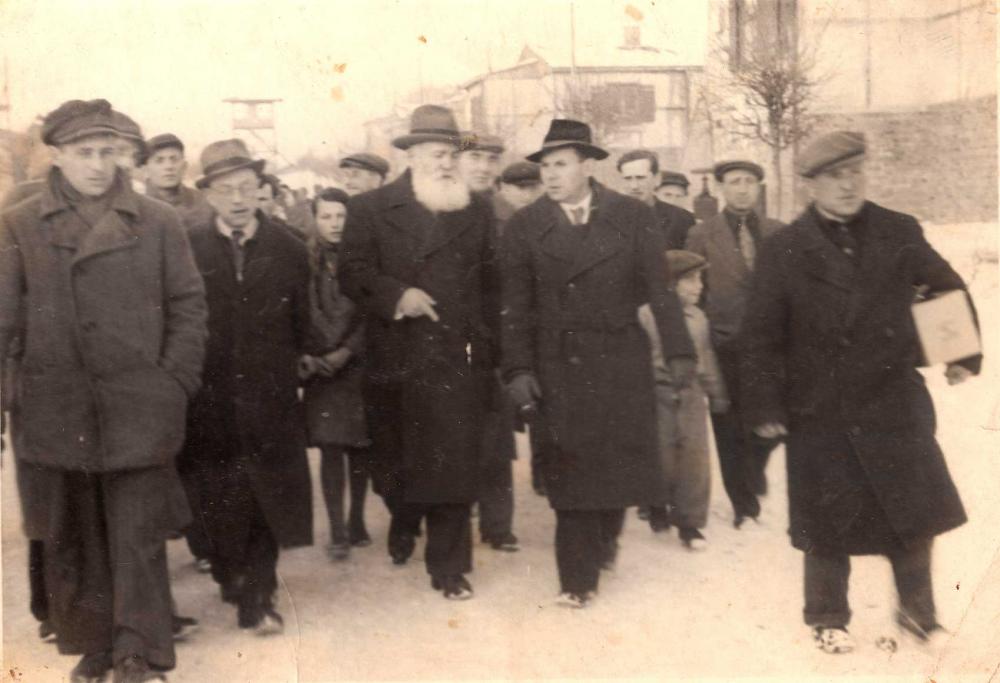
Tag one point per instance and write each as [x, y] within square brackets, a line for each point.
[132, 151]
[729, 242]
[639, 170]
[99, 285]
[244, 459]
[831, 356]
[577, 264]
[362, 172]
[520, 185]
[418, 257]
[164, 168]
[479, 165]
[673, 189]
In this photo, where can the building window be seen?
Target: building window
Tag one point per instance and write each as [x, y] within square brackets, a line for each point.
[627, 104]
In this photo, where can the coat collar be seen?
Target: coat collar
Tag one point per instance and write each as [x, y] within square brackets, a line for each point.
[822, 258]
[604, 236]
[115, 230]
[721, 234]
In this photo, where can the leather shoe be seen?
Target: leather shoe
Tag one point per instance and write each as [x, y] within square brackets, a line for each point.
[401, 546]
[135, 669]
[92, 668]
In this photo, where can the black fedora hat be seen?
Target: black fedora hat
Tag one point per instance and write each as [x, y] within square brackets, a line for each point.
[226, 156]
[430, 123]
[568, 133]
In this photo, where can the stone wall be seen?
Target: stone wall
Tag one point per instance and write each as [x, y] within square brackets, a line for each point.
[939, 163]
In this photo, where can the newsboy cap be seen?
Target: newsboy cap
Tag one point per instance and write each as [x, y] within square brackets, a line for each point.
[164, 141]
[724, 167]
[830, 150]
[522, 174]
[568, 133]
[681, 262]
[366, 161]
[483, 142]
[429, 123]
[226, 156]
[673, 178]
[78, 119]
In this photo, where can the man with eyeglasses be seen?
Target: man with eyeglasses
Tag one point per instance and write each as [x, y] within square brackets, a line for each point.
[244, 461]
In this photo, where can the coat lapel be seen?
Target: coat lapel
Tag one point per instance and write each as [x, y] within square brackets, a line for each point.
[722, 236]
[552, 215]
[405, 213]
[823, 260]
[257, 268]
[604, 239]
[444, 228]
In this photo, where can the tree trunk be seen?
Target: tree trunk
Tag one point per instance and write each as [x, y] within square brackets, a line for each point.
[778, 184]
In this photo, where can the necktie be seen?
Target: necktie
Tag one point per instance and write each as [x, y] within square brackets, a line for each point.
[577, 215]
[747, 247]
[238, 255]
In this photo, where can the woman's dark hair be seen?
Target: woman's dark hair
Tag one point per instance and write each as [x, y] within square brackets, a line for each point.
[329, 194]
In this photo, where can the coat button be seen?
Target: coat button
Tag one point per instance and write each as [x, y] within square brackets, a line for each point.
[855, 431]
[575, 360]
[844, 341]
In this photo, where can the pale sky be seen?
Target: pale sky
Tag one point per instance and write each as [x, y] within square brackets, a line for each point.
[169, 63]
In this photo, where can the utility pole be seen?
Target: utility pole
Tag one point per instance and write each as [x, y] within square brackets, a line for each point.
[572, 42]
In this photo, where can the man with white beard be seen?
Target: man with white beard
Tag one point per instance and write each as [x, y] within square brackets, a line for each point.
[418, 256]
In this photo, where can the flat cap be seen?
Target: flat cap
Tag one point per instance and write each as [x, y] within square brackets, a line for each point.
[126, 126]
[77, 119]
[673, 178]
[483, 142]
[164, 141]
[366, 161]
[521, 173]
[681, 262]
[828, 151]
[724, 167]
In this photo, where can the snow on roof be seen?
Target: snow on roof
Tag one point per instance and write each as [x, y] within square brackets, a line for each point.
[591, 56]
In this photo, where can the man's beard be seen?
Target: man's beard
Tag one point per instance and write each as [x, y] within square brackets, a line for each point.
[440, 194]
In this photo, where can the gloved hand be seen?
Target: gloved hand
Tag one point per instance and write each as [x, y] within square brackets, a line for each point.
[718, 405]
[524, 392]
[682, 369]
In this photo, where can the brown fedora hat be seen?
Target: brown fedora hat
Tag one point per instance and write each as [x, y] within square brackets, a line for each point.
[568, 133]
[225, 156]
[430, 123]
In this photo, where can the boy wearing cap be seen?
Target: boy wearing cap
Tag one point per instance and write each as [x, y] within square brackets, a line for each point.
[165, 167]
[105, 374]
[362, 172]
[577, 264]
[681, 414]
[520, 185]
[831, 364]
[729, 242]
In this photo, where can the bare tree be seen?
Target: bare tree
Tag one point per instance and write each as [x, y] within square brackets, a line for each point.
[770, 84]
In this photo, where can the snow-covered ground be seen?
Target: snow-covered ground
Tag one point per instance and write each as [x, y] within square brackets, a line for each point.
[732, 612]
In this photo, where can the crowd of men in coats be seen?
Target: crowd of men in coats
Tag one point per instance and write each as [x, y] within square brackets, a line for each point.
[169, 354]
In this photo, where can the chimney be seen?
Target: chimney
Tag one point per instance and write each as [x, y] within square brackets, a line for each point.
[632, 39]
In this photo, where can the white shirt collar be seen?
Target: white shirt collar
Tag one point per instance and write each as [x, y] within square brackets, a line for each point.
[249, 230]
[582, 204]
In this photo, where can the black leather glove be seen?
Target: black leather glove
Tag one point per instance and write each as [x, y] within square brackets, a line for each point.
[682, 370]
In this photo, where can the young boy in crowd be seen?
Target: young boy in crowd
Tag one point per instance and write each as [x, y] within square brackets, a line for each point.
[681, 416]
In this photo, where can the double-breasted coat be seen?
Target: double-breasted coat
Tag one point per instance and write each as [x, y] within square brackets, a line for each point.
[571, 296]
[247, 414]
[335, 412]
[111, 327]
[427, 383]
[831, 351]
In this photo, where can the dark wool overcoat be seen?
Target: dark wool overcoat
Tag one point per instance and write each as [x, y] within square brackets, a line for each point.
[674, 222]
[570, 316]
[427, 383]
[110, 323]
[247, 417]
[832, 352]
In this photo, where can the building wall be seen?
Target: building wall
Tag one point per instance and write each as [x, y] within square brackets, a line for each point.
[939, 163]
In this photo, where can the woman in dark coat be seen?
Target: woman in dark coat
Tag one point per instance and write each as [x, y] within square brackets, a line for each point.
[335, 413]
